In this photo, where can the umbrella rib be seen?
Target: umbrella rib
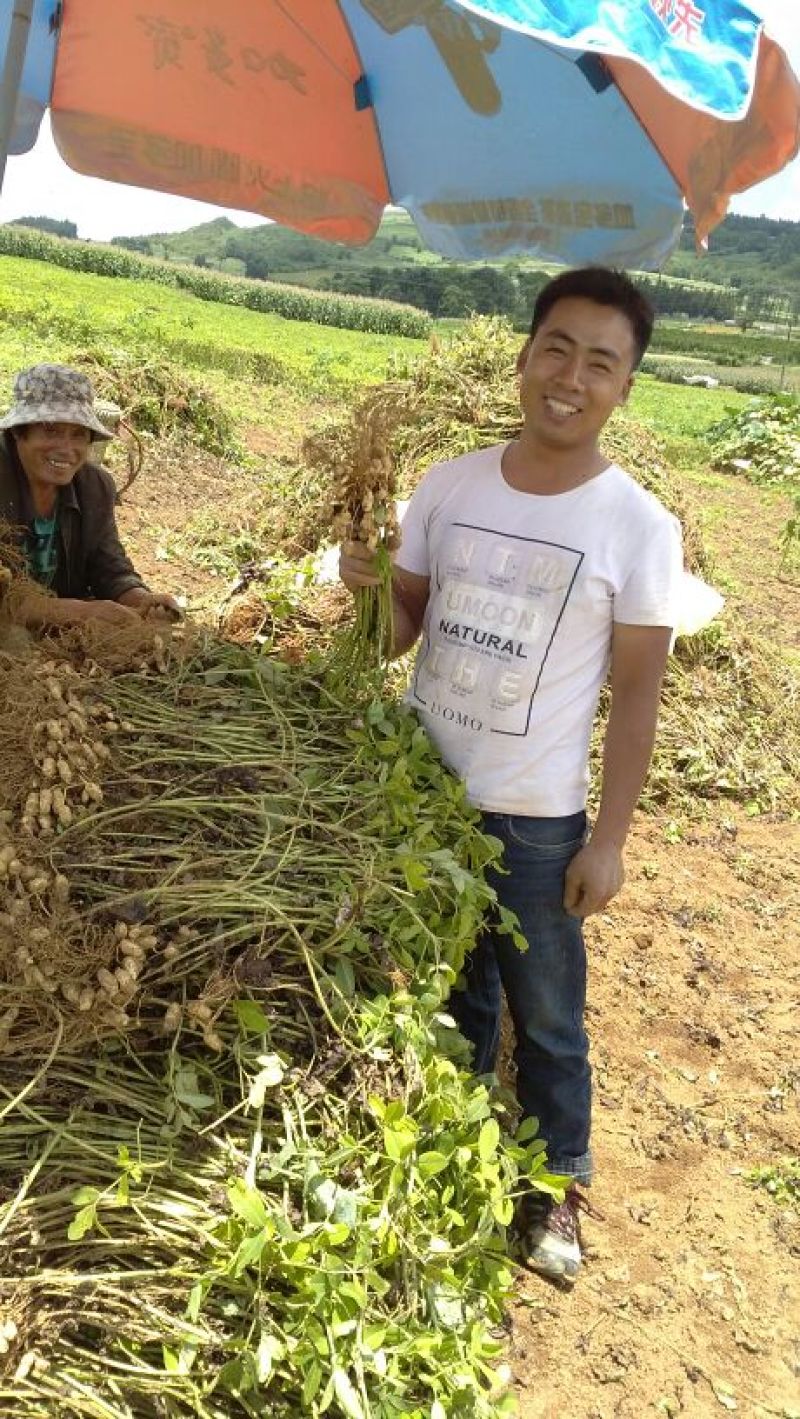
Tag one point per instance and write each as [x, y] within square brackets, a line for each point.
[558, 53]
[312, 40]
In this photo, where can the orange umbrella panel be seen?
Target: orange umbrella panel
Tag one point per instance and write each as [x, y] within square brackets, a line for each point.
[261, 107]
[712, 158]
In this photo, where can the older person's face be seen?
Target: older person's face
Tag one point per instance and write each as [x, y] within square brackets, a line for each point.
[51, 454]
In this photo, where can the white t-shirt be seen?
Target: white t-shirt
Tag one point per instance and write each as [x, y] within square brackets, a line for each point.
[516, 638]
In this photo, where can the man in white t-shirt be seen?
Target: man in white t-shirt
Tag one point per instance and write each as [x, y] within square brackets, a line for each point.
[530, 570]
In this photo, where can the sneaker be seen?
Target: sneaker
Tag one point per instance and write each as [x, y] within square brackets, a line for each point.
[549, 1234]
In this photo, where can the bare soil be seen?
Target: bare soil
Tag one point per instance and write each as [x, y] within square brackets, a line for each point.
[183, 492]
[689, 1298]
[741, 528]
[171, 489]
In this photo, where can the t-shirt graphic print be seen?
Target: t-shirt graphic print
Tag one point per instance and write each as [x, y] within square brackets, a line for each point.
[497, 600]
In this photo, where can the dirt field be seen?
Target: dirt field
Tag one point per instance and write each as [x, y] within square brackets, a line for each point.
[689, 1302]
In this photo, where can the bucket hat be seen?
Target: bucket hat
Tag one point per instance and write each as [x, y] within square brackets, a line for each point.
[54, 394]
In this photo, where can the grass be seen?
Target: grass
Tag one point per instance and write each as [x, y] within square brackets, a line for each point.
[781, 1181]
[681, 415]
[680, 411]
[51, 309]
[275, 377]
[271, 374]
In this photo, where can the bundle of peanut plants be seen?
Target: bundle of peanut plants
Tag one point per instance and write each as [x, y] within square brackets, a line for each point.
[363, 509]
[244, 1170]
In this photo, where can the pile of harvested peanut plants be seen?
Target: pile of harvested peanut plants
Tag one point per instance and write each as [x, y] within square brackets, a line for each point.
[243, 1170]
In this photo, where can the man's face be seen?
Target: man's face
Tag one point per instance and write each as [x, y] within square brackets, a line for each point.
[574, 372]
[51, 454]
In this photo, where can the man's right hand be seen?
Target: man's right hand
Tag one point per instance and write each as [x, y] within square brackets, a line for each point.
[358, 566]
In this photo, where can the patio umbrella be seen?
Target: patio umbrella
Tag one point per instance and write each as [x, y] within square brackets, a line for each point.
[572, 129]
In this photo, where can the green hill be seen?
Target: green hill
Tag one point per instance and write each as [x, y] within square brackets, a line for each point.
[271, 250]
[753, 251]
[751, 257]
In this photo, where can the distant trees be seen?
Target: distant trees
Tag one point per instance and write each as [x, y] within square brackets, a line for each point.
[750, 252]
[298, 251]
[750, 260]
[255, 261]
[142, 244]
[47, 224]
[449, 289]
[678, 298]
[445, 289]
[752, 306]
[747, 236]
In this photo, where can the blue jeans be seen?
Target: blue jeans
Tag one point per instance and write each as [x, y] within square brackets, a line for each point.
[545, 986]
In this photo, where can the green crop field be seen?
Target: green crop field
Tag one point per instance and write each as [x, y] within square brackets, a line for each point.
[679, 411]
[254, 361]
[45, 309]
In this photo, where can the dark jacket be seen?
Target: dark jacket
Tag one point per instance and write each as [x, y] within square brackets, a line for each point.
[91, 559]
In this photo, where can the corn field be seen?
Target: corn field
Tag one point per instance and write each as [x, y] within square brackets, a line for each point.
[291, 302]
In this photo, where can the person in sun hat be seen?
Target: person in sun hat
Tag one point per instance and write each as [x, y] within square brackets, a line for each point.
[529, 571]
[59, 505]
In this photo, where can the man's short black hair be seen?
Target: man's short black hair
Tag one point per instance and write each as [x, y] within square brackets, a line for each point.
[605, 287]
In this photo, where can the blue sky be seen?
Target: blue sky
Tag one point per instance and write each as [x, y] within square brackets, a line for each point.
[40, 183]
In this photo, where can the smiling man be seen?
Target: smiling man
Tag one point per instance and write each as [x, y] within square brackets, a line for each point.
[531, 569]
[60, 506]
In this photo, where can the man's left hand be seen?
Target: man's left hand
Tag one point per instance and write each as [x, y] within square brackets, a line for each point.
[594, 876]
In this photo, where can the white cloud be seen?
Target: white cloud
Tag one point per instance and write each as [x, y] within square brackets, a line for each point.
[779, 197]
[782, 19]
